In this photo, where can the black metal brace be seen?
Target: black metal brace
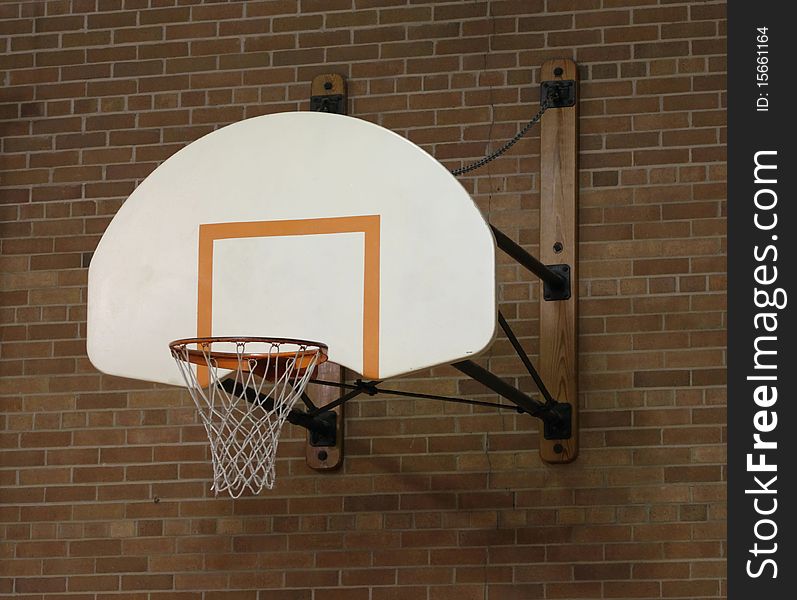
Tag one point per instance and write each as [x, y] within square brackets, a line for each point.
[555, 416]
[556, 278]
[334, 103]
[322, 424]
[524, 358]
[558, 93]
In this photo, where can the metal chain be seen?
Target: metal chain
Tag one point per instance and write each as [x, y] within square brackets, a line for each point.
[480, 163]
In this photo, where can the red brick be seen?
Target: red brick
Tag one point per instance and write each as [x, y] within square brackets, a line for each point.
[27, 585]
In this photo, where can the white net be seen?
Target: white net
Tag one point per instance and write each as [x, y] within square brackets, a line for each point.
[244, 390]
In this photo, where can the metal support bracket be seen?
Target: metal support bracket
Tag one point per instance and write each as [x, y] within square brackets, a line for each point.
[555, 278]
[326, 435]
[328, 94]
[560, 427]
[552, 293]
[556, 416]
[558, 93]
[331, 104]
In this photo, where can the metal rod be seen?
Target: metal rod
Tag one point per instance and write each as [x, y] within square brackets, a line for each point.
[421, 396]
[364, 386]
[447, 399]
[334, 404]
[345, 386]
[509, 246]
[525, 359]
[502, 388]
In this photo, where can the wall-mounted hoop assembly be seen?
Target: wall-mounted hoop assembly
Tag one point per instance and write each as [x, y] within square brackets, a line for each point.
[387, 223]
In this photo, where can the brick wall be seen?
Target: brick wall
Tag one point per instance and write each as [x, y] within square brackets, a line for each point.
[105, 481]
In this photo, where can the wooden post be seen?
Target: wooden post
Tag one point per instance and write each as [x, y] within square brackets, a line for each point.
[326, 458]
[559, 245]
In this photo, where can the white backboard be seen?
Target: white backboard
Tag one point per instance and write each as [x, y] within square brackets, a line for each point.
[304, 225]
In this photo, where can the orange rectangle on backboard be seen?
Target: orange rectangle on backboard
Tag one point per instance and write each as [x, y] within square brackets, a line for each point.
[368, 225]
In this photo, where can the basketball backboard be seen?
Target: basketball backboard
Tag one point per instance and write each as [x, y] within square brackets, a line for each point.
[301, 225]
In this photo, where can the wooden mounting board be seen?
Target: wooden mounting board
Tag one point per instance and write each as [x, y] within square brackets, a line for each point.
[327, 458]
[559, 224]
[329, 84]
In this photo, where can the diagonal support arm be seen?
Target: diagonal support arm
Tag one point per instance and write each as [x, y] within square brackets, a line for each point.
[508, 245]
[555, 416]
[525, 359]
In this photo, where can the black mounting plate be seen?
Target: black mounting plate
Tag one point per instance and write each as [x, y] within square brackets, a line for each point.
[558, 93]
[334, 103]
[325, 436]
[550, 293]
[559, 429]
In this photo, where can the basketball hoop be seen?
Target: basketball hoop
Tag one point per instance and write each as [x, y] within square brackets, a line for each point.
[251, 386]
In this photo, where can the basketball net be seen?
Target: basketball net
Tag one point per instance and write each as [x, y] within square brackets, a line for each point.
[251, 388]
